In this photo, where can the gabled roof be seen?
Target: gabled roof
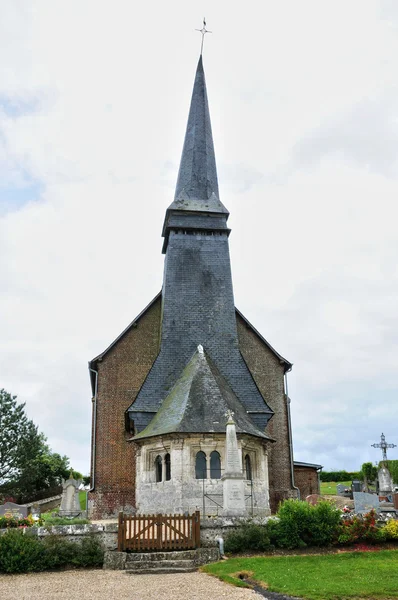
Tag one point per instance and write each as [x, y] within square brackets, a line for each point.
[287, 365]
[198, 403]
[93, 363]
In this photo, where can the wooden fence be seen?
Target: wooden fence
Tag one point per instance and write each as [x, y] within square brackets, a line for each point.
[158, 532]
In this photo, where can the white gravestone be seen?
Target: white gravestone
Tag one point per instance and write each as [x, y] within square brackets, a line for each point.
[70, 504]
[234, 504]
[385, 481]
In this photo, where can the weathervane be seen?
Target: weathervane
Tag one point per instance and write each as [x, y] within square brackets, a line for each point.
[230, 414]
[203, 31]
[383, 445]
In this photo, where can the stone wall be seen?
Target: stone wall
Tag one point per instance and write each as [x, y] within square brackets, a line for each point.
[120, 376]
[183, 492]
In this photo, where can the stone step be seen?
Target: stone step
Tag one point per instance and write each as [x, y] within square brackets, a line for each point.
[178, 564]
[134, 557]
[155, 570]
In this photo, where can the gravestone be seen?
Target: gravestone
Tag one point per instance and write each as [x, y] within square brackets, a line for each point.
[385, 481]
[343, 490]
[10, 509]
[314, 499]
[234, 504]
[364, 502]
[356, 485]
[70, 504]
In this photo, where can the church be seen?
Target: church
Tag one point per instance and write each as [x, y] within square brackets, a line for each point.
[163, 388]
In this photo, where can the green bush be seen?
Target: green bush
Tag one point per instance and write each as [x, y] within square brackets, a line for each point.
[20, 553]
[248, 537]
[300, 524]
[360, 528]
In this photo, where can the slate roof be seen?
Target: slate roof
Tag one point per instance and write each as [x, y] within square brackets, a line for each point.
[197, 183]
[198, 402]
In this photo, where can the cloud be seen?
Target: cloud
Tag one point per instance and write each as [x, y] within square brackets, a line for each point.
[95, 102]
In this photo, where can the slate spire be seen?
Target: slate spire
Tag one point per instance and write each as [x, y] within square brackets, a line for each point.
[197, 183]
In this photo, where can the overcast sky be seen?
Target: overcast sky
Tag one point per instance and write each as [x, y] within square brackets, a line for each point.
[94, 99]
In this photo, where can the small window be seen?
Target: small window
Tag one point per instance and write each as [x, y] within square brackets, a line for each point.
[248, 467]
[158, 468]
[168, 467]
[215, 465]
[200, 465]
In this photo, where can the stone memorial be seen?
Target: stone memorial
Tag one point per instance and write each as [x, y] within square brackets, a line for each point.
[10, 509]
[70, 504]
[364, 502]
[385, 481]
[234, 504]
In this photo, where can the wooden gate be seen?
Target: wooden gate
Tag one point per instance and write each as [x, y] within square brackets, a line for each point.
[158, 532]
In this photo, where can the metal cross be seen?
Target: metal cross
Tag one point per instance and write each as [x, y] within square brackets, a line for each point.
[383, 445]
[203, 31]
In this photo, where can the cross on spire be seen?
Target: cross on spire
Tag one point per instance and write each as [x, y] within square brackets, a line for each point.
[203, 31]
[383, 445]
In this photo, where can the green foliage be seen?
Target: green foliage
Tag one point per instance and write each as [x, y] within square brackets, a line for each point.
[50, 521]
[21, 553]
[301, 524]
[248, 536]
[27, 464]
[360, 529]
[298, 525]
[391, 530]
[369, 471]
[392, 466]
[339, 475]
[327, 577]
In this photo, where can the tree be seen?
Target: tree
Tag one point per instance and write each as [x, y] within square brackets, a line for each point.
[369, 473]
[27, 464]
[19, 437]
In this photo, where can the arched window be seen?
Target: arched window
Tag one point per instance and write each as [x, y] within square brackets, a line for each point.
[158, 468]
[248, 467]
[215, 465]
[200, 465]
[168, 466]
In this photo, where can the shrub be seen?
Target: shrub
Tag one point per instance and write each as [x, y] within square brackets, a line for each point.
[301, 524]
[248, 536]
[391, 530]
[360, 528]
[21, 553]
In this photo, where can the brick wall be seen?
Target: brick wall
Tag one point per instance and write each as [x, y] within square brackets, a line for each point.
[120, 376]
[268, 373]
[307, 480]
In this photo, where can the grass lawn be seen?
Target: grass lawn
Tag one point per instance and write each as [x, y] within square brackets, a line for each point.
[83, 499]
[345, 576]
[329, 487]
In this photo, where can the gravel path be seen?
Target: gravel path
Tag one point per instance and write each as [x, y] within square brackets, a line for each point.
[117, 585]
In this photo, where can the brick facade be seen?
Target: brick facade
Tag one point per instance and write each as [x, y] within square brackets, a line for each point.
[307, 480]
[121, 373]
[268, 373]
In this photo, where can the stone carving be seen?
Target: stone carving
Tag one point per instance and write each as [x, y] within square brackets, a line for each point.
[233, 479]
[385, 481]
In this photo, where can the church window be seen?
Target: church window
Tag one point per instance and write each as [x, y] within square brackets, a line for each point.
[200, 465]
[158, 468]
[168, 466]
[215, 465]
[248, 467]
